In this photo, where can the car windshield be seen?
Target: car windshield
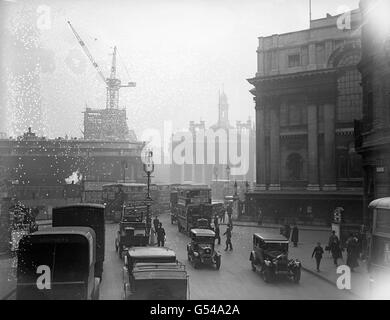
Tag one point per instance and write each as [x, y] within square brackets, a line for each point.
[280, 247]
[204, 239]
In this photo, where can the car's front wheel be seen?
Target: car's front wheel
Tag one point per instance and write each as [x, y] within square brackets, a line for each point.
[297, 276]
[267, 275]
[253, 265]
[218, 262]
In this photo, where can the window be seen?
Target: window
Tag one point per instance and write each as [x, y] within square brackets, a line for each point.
[294, 60]
[349, 104]
[294, 166]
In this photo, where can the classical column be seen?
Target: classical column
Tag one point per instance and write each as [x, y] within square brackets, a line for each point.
[260, 145]
[312, 139]
[312, 56]
[329, 147]
[275, 146]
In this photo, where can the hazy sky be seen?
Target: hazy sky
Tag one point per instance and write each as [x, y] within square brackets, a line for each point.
[180, 53]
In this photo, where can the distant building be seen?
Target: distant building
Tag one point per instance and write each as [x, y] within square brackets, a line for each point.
[372, 133]
[215, 162]
[49, 172]
[308, 94]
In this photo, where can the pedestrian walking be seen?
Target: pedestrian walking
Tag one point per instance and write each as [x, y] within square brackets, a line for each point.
[317, 254]
[287, 230]
[334, 247]
[229, 212]
[156, 223]
[217, 233]
[260, 217]
[223, 213]
[160, 235]
[216, 222]
[352, 252]
[228, 234]
[295, 236]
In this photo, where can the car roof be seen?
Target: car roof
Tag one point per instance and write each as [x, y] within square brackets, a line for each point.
[271, 237]
[139, 252]
[83, 231]
[145, 271]
[203, 232]
[383, 203]
[93, 205]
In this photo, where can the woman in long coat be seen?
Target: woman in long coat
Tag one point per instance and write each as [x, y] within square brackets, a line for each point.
[295, 236]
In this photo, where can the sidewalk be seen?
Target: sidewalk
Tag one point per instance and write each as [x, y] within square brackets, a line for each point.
[275, 226]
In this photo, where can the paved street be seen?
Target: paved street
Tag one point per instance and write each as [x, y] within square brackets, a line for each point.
[235, 279]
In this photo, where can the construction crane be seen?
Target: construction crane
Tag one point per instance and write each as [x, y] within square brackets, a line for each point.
[113, 83]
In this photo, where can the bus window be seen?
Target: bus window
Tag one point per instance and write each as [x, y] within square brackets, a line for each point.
[382, 221]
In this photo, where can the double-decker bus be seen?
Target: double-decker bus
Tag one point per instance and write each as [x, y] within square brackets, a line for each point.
[194, 207]
[379, 252]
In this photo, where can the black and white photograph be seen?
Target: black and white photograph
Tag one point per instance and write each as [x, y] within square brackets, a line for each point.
[204, 150]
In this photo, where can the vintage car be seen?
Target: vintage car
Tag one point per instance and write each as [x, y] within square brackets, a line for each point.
[270, 257]
[130, 234]
[58, 264]
[201, 249]
[153, 273]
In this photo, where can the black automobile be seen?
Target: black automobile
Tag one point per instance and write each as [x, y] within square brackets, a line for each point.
[270, 257]
[153, 273]
[130, 234]
[201, 249]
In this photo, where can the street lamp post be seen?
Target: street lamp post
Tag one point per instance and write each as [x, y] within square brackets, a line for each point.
[228, 177]
[148, 168]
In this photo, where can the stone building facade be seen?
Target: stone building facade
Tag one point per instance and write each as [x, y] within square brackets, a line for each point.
[308, 94]
[373, 132]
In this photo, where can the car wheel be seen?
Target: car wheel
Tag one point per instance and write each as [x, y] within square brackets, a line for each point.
[189, 257]
[116, 246]
[120, 251]
[196, 264]
[297, 275]
[178, 227]
[267, 275]
[218, 263]
[253, 266]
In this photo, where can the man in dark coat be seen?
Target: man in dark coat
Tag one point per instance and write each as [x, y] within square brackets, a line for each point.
[259, 217]
[217, 233]
[160, 235]
[229, 212]
[317, 253]
[287, 231]
[228, 234]
[216, 222]
[156, 223]
[295, 236]
[352, 252]
[334, 247]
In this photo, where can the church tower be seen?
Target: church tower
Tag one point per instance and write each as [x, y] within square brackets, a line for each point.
[223, 111]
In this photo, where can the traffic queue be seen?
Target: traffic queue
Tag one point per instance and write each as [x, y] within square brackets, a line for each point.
[66, 260]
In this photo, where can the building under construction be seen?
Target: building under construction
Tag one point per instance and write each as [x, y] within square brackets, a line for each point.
[107, 124]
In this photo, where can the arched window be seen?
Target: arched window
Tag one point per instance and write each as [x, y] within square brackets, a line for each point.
[294, 166]
[349, 101]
